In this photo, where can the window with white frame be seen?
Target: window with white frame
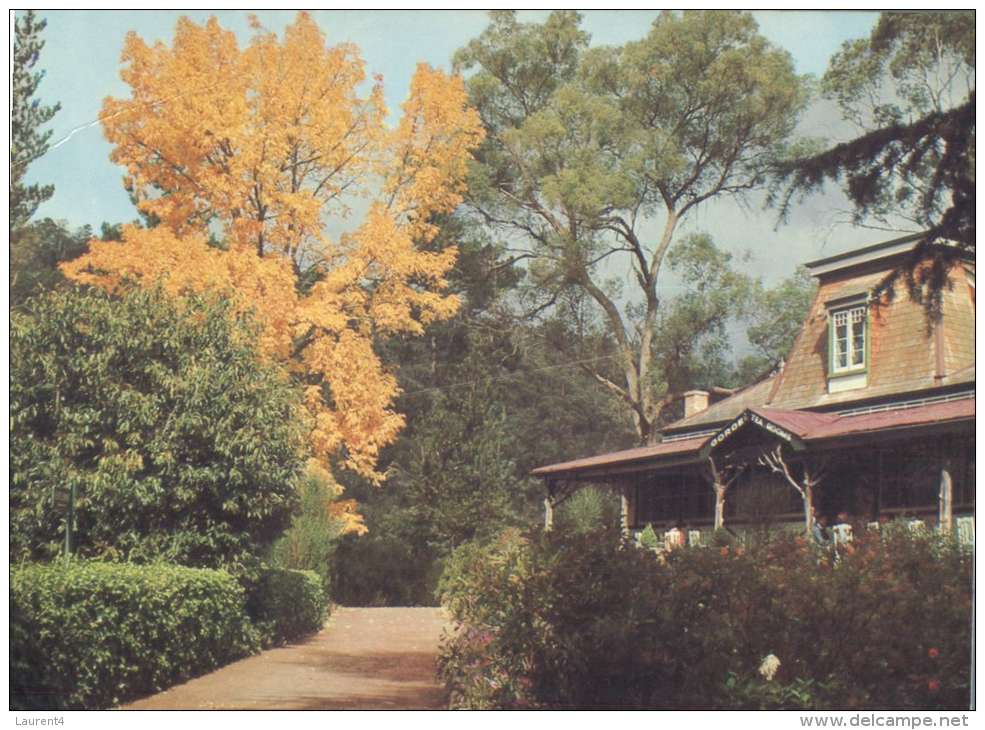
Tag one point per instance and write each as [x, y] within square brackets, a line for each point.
[848, 335]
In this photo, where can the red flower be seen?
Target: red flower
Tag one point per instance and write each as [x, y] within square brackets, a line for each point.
[933, 652]
[934, 685]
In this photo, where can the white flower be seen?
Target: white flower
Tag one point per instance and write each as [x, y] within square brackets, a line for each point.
[769, 666]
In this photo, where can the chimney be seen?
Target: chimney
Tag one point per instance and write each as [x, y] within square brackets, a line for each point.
[695, 401]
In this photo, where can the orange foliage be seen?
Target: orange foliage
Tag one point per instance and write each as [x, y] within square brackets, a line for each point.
[263, 145]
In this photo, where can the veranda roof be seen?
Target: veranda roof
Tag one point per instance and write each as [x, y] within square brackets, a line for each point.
[657, 453]
[811, 428]
[880, 421]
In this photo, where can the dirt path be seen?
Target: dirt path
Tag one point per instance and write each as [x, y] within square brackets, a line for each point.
[364, 658]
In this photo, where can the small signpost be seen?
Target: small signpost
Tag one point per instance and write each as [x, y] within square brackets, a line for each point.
[64, 500]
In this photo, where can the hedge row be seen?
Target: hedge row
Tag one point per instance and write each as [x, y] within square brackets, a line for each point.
[567, 620]
[287, 604]
[91, 635]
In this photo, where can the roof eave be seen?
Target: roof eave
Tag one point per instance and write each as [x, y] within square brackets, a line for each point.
[864, 255]
[600, 473]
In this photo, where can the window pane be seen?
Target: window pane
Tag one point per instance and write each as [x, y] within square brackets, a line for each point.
[759, 496]
[858, 350]
[669, 499]
[858, 336]
[841, 344]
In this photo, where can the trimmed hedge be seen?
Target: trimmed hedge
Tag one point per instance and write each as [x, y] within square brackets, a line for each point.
[287, 604]
[91, 635]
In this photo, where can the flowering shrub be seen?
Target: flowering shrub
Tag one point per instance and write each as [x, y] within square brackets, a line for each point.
[543, 620]
[561, 620]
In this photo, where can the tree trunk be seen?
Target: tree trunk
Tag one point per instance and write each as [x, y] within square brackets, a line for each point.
[946, 516]
[624, 512]
[809, 507]
[548, 514]
[719, 506]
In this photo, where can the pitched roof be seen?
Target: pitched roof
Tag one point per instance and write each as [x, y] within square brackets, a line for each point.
[726, 409]
[866, 254]
[800, 423]
[965, 375]
[811, 426]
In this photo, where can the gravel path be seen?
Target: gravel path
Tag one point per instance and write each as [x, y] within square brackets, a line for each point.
[364, 658]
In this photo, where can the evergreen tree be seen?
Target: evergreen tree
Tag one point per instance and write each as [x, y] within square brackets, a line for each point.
[27, 116]
[909, 88]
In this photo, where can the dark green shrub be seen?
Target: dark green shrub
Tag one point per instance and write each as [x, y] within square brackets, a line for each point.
[834, 619]
[576, 620]
[648, 538]
[287, 604]
[384, 569]
[91, 635]
[182, 444]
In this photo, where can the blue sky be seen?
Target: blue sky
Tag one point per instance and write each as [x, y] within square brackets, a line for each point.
[81, 60]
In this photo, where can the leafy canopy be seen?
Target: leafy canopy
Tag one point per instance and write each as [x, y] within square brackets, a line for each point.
[775, 316]
[266, 144]
[180, 442]
[589, 150]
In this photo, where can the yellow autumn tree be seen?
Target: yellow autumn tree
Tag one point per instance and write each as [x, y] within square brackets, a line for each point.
[262, 147]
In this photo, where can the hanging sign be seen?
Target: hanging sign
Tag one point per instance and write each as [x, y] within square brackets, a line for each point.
[749, 417]
[771, 427]
[728, 431]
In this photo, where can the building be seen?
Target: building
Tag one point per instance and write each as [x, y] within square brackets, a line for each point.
[871, 417]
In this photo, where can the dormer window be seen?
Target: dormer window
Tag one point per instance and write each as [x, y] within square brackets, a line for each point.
[848, 344]
[848, 340]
